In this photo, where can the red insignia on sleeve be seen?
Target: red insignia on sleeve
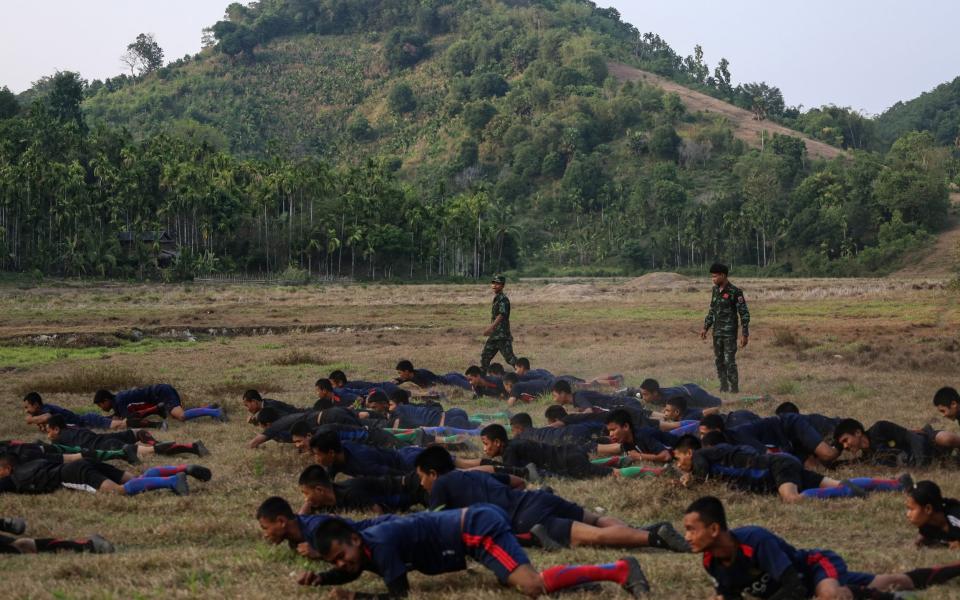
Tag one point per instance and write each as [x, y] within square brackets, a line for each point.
[725, 296]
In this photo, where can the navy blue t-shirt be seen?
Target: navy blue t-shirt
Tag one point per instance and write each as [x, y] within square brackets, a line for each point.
[428, 542]
[310, 523]
[153, 394]
[461, 489]
[761, 560]
[418, 416]
[768, 431]
[649, 440]
[532, 387]
[533, 374]
[364, 460]
[577, 433]
[696, 396]
[588, 398]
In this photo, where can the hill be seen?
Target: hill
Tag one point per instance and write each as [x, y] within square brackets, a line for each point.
[443, 137]
[936, 111]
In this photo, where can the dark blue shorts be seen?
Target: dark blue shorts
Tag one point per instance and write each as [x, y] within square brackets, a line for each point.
[457, 418]
[487, 539]
[94, 421]
[168, 396]
[553, 512]
[826, 564]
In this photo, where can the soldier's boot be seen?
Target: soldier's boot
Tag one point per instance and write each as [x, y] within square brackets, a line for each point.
[724, 386]
[734, 378]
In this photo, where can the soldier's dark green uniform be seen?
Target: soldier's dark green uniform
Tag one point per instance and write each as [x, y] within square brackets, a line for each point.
[500, 339]
[726, 305]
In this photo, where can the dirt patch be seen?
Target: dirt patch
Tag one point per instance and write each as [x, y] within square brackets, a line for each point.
[745, 127]
[567, 291]
[657, 281]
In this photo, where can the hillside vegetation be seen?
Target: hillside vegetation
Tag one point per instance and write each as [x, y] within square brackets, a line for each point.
[445, 137]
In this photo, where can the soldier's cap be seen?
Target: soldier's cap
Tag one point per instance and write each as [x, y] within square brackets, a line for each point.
[499, 279]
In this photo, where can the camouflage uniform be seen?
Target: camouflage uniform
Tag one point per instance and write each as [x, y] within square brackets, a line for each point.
[500, 340]
[725, 305]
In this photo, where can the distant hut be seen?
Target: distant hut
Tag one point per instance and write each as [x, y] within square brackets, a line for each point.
[158, 243]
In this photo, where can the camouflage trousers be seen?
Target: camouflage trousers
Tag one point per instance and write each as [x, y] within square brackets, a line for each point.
[490, 349]
[725, 355]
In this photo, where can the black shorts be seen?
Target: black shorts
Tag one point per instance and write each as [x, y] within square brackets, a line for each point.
[555, 513]
[786, 469]
[92, 474]
[578, 466]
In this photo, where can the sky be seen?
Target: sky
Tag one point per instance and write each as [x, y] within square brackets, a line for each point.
[865, 54]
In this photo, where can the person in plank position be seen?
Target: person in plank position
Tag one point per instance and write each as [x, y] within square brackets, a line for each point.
[440, 542]
[24, 545]
[553, 521]
[144, 443]
[756, 562]
[385, 494]
[745, 468]
[46, 475]
[161, 399]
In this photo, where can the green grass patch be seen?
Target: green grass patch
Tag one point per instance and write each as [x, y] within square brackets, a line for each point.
[31, 356]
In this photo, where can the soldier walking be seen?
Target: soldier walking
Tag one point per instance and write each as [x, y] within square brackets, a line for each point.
[498, 333]
[726, 304]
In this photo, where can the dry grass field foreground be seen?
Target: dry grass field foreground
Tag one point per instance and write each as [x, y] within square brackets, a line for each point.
[869, 349]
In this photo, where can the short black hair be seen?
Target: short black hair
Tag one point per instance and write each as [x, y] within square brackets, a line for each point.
[57, 421]
[377, 397]
[714, 422]
[323, 403]
[274, 507]
[787, 408]
[927, 493]
[714, 438]
[710, 510]
[678, 402]
[687, 442]
[324, 384]
[494, 432]
[847, 427]
[9, 459]
[404, 365]
[621, 417]
[334, 530]
[523, 361]
[522, 419]
[33, 399]
[945, 396]
[561, 386]
[338, 376]
[102, 396]
[400, 396]
[253, 396]
[473, 370]
[300, 429]
[435, 458]
[495, 369]
[510, 378]
[650, 385]
[719, 268]
[314, 476]
[555, 412]
[326, 441]
[268, 415]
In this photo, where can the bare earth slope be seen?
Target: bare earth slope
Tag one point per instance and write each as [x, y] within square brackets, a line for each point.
[943, 258]
[745, 126]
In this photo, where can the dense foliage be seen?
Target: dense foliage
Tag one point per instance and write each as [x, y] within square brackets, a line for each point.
[440, 137]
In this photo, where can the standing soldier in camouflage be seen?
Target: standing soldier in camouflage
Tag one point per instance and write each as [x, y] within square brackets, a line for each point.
[726, 303]
[498, 333]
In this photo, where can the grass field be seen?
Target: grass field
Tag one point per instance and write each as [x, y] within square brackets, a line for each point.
[862, 348]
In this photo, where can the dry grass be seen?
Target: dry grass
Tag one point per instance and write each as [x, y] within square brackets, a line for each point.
[880, 349]
[86, 379]
[297, 357]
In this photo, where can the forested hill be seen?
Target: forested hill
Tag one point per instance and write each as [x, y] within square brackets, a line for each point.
[441, 137]
[936, 111]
